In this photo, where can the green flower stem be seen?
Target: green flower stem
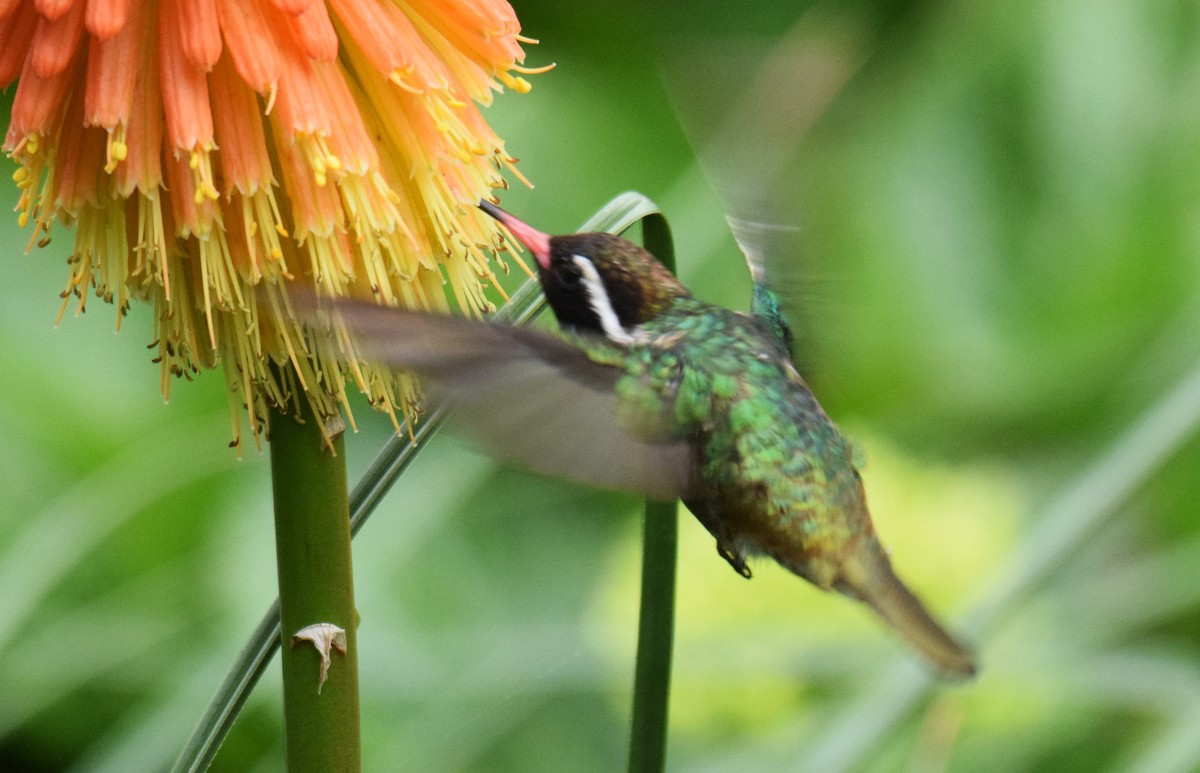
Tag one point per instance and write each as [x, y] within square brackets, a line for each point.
[656, 620]
[312, 543]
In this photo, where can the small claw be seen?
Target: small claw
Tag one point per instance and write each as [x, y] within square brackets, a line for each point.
[735, 560]
[324, 636]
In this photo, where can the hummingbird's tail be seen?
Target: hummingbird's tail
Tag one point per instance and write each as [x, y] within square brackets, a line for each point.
[867, 574]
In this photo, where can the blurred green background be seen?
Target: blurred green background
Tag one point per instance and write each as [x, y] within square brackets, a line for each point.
[1001, 215]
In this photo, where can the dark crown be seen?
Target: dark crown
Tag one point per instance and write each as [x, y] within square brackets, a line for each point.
[634, 284]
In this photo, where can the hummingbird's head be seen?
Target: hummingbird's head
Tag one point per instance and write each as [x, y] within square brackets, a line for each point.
[596, 282]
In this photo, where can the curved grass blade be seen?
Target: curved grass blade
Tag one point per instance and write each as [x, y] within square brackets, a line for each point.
[527, 302]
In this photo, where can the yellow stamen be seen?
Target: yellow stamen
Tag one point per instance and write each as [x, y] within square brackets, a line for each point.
[534, 70]
[519, 85]
[397, 77]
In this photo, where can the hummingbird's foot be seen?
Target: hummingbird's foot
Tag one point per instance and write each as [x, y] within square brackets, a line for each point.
[735, 560]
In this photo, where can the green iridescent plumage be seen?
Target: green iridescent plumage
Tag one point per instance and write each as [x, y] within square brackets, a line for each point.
[766, 453]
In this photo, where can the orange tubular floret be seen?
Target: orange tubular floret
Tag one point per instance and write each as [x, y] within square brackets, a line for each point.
[493, 18]
[37, 104]
[55, 42]
[237, 232]
[459, 23]
[142, 169]
[457, 64]
[193, 214]
[349, 139]
[392, 44]
[184, 89]
[105, 18]
[315, 33]
[16, 35]
[201, 36]
[373, 28]
[54, 9]
[79, 162]
[110, 78]
[293, 7]
[248, 29]
[315, 208]
[245, 161]
[301, 105]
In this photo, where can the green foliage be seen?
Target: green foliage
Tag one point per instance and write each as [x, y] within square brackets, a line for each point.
[999, 214]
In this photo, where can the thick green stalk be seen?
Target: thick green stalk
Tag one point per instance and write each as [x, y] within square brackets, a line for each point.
[312, 543]
[656, 620]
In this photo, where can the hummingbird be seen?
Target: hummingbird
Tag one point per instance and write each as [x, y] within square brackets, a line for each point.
[649, 389]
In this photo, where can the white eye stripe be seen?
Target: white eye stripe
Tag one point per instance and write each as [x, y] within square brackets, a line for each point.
[598, 299]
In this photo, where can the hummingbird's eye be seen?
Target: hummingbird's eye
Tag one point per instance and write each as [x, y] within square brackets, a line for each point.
[569, 273]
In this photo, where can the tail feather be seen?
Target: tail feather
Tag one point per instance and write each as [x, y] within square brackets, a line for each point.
[868, 575]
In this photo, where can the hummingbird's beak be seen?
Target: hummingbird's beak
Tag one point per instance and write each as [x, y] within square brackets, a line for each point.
[534, 240]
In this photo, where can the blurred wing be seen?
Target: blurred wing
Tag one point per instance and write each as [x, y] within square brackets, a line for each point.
[760, 241]
[530, 398]
[776, 281]
[748, 143]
